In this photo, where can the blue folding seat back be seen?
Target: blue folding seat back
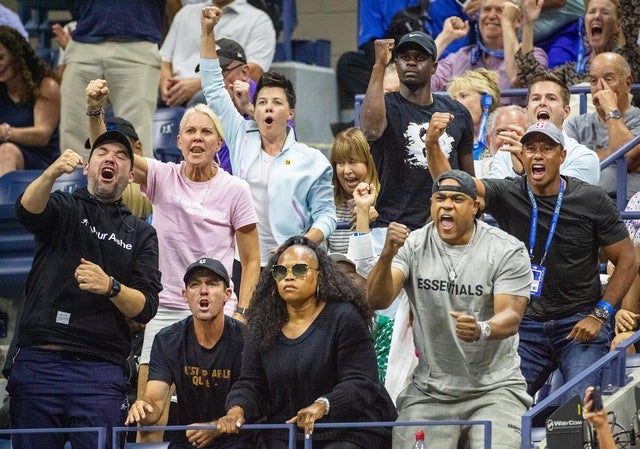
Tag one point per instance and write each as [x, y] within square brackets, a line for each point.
[70, 181]
[16, 243]
[12, 184]
[166, 127]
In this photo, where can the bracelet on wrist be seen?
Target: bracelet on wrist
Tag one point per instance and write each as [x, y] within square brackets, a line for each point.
[326, 403]
[601, 321]
[95, 112]
[609, 307]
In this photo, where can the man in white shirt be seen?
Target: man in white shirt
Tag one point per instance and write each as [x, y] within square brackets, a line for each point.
[548, 100]
[249, 26]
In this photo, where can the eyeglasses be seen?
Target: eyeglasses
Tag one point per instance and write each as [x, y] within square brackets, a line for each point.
[226, 69]
[279, 272]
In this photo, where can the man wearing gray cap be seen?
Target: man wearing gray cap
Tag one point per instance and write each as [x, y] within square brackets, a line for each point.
[468, 286]
[201, 356]
[563, 222]
[395, 125]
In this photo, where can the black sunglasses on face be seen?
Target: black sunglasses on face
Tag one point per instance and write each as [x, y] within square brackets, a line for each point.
[279, 272]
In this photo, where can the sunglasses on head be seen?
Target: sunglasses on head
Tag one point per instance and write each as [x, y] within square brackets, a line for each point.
[279, 272]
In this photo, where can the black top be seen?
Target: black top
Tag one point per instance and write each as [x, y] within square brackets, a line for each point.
[334, 358]
[588, 219]
[400, 157]
[202, 376]
[56, 312]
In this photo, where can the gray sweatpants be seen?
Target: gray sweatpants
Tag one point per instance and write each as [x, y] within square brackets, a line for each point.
[504, 407]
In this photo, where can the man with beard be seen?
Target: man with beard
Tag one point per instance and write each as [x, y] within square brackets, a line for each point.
[467, 284]
[201, 355]
[95, 265]
[396, 123]
[563, 222]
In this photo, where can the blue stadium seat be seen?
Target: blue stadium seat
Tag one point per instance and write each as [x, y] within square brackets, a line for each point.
[12, 184]
[166, 127]
[16, 244]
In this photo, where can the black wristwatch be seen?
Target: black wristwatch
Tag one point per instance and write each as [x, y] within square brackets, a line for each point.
[602, 312]
[241, 310]
[115, 288]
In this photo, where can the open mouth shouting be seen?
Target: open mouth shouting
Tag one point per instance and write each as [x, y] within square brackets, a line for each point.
[537, 171]
[203, 304]
[446, 222]
[108, 173]
[543, 116]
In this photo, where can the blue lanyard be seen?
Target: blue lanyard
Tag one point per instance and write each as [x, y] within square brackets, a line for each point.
[581, 63]
[480, 47]
[481, 144]
[534, 221]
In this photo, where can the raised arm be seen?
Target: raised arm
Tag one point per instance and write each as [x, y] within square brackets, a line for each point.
[37, 193]
[384, 282]
[436, 160]
[510, 20]
[617, 130]
[453, 28]
[373, 113]
[97, 93]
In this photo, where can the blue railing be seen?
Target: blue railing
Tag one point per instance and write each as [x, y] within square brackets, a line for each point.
[308, 444]
[621, 174]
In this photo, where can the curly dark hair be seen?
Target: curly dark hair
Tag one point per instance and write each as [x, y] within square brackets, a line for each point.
[268, 312]
[273, 79]
[28, 67]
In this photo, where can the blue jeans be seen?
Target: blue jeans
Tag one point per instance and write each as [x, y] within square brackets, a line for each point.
[544, 348]
[55, 389]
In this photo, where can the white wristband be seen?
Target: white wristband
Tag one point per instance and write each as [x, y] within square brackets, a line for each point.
[325, 401]
[485, 330]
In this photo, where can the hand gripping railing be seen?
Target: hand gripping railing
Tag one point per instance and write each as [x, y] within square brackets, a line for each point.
[308, 444]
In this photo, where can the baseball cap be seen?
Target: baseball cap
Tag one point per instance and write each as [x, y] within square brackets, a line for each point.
[228, 50]
[547, 128]
[212, 265]
[421, 39]
[118, 124]
[111, 137]
[337, 257]
[467, 185]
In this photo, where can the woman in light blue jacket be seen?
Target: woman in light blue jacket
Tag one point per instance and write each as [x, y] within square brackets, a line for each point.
[290, 182]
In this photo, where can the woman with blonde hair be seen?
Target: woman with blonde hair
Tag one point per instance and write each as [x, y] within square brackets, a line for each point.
[609, 26]
[199, 210]
[478, 90]
[352, 164]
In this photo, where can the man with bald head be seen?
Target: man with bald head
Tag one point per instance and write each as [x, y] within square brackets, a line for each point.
[615, 121]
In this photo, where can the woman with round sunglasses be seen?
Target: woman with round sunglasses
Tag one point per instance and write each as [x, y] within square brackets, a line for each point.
[309, 356]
